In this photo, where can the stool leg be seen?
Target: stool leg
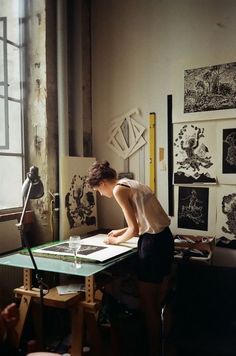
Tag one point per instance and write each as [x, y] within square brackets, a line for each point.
[23, 312]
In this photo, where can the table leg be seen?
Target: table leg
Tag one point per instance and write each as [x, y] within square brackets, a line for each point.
[77, 330]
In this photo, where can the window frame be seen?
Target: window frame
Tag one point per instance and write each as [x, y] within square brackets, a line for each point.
[20, 100]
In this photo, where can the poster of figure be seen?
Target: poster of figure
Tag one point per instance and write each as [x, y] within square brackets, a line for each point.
[226, 212]
[206, 92]
[78, 213]
[195, 210]
[226, 146]
[194, 153]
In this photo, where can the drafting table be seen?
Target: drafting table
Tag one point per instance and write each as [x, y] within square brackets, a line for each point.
[77, 301]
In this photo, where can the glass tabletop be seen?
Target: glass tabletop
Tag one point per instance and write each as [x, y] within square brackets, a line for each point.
[59, 265]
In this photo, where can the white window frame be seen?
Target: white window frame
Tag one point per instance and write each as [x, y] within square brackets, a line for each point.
[7, 99]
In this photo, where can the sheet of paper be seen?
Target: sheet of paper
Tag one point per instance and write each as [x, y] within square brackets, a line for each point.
[92, 248]
[71, 288]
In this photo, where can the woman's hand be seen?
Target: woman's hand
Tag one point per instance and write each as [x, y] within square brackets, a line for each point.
[115, 233]
[111, 240]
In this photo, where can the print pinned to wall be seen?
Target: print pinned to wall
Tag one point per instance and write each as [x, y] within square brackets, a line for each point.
[194, 153]
[205, 93]
[226, 213]
[195, 210]
[78, 202]
[226, 144]
[126, 134]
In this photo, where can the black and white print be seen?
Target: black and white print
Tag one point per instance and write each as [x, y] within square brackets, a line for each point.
[63, 248]
[193, 206]
[226, 151]
[194, 160]
[229, 151]
[210, 88]
[78, 213]
[226, 212]
[79, 203]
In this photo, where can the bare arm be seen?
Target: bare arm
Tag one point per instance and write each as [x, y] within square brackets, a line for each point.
[122, 196]
[118, 232]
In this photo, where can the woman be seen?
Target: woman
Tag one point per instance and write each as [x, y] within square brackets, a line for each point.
[145, 218]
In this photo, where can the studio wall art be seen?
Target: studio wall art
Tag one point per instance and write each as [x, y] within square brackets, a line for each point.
[194, 153]
[195, 210]
[226, 147]
[226, 212]
[78, 203]
[204, 93]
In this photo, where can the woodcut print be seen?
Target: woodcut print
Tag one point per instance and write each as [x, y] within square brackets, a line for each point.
[210, 88]
[78, 203]
[193, 208]
[226, 212]
[229, 151]
[194, 154]
[226, 151]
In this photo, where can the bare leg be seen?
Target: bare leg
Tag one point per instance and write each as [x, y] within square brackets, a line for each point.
[152, 295]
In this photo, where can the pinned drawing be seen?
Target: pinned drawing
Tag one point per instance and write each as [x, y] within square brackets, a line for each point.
[193, 208]
[194, 154]
[229, 151]
[204, 93]
[126, 134]
[226, 144]
[78, 207]
[210, 88]
[226, 212]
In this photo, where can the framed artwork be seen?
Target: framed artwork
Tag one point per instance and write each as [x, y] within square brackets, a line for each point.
[78, 214]
[226, 146]
[205, 93]
[226, 212]
[194, 153]
[195, 210]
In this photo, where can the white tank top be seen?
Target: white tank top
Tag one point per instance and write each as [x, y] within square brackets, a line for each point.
[149, 213]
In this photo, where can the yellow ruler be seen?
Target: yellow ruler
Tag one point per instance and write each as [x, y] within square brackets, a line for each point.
[152, 150]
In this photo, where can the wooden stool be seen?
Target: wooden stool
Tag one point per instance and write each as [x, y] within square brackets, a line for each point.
[53, 299]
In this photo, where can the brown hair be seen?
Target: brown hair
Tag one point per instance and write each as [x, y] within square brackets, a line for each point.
[98, 172]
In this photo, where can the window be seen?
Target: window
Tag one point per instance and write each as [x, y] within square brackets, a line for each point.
[11, 104]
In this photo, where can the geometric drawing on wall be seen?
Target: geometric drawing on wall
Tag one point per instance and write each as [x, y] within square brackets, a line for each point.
[193, 206]
[226, 212]
[229, 151]
[210, 88]
[78, 207]
[126, 134]
[194, 160]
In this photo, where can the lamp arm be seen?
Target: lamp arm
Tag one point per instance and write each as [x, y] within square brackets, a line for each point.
[21, 225]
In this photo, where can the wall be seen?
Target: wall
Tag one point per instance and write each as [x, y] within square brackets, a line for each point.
[137, 48]
[41, 110]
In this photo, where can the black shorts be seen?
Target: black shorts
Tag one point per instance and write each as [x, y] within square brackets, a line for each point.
[155, 256]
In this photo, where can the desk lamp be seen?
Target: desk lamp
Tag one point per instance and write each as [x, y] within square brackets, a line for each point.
[32, 189]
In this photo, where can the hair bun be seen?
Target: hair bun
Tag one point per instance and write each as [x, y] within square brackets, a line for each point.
[105, 164]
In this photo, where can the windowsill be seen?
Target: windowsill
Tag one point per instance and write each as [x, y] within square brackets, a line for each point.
[28, 218]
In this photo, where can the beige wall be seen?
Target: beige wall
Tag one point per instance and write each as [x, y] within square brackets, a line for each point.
[137, 48]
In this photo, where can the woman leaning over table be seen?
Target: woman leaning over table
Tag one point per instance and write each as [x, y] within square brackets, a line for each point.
[145, 218]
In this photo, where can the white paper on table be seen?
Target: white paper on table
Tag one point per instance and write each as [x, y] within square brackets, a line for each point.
[71, 288]
[93, 248]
